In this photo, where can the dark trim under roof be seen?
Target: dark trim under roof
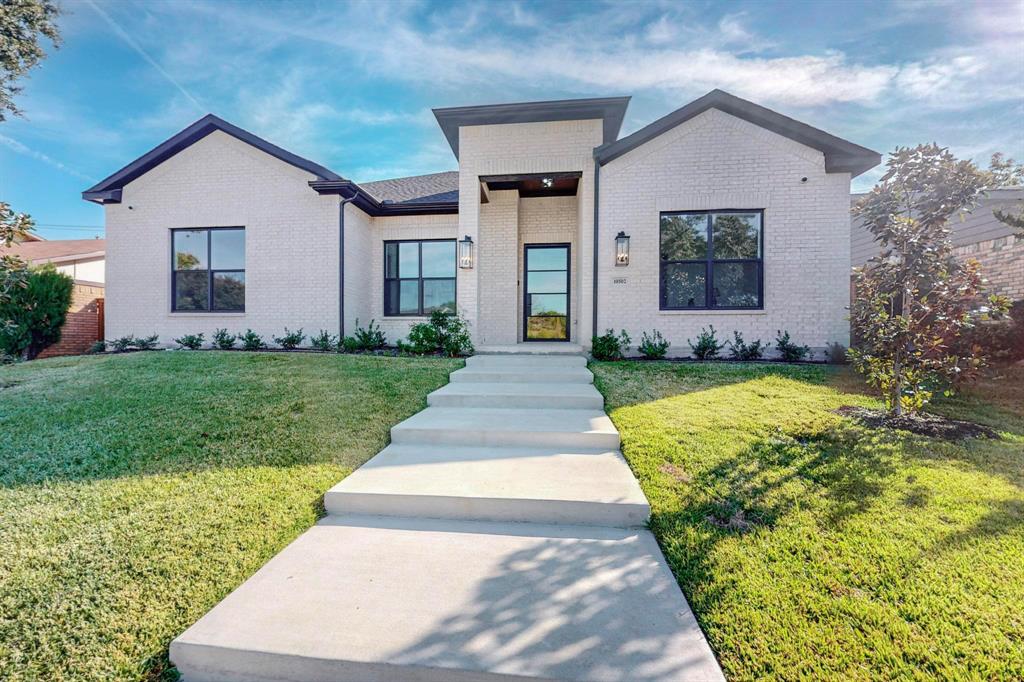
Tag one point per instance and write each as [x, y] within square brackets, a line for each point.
[840, 156]
[611, 110]
[108, 191]
[369, 205]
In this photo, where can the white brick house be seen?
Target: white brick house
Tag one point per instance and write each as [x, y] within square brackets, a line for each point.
[734, 215]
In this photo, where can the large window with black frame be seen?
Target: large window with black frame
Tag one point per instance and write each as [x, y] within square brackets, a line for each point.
[419, 277]
[208, 269]
[712, 260]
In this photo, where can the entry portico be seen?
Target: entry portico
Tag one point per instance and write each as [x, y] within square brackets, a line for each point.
[526, 175]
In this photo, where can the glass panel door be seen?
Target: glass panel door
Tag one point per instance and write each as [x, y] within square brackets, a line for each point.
[546, 292]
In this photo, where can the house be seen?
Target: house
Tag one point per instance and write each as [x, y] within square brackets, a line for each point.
[81, 259]
[552, 229]
[978, 235]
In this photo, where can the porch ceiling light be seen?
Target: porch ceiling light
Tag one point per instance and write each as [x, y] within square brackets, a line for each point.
[621, 249]
[466, 253]
[547, 182]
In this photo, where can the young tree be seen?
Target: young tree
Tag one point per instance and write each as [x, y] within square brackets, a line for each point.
[914, 300]
[22, 24]
[13, 226]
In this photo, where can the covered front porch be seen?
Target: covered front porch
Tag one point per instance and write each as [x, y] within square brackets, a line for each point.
[529, 262]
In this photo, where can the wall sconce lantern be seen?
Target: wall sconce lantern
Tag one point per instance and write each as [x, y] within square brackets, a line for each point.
[622, 249]
[466, 253]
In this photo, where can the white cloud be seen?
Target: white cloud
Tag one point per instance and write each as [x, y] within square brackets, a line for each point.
[24, 150]
[131, 42]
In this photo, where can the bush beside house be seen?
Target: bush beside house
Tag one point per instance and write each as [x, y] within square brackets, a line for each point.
[35, 312]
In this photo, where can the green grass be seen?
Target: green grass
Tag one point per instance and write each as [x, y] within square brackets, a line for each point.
[812, 548]
[137, 490]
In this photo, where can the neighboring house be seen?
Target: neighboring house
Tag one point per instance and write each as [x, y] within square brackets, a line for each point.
[722, 212]
[82, 259]
[976, 235]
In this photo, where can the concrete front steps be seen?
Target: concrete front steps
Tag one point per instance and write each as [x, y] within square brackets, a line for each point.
[518, 395]
[535, 485]
[498, 538]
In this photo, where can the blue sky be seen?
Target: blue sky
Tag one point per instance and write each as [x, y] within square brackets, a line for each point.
[351, 85]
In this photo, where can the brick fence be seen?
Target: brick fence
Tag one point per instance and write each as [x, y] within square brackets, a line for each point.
[84, 325]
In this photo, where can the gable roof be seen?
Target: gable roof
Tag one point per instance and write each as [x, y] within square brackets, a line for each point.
[108, 190]
[841, 156]
[430, 188]
[57, 250]
[611, 110]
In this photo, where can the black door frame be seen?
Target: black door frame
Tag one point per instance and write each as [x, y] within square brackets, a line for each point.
[568, 290]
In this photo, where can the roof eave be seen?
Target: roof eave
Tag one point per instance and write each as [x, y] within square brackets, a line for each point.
[108, 190]
[841, 156]
[611, 111]
[369, 205]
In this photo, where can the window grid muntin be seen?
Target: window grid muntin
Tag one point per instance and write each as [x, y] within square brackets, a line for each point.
[419, 280]
[709, 261]
[210, 273]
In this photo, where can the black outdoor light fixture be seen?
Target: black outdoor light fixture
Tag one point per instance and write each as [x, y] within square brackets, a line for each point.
[621, 249]
[466, 253]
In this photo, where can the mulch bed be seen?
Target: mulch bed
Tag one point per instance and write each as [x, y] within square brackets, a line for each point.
[923, 424]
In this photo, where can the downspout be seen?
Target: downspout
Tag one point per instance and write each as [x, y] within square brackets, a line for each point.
[597, 193]
[341, 265]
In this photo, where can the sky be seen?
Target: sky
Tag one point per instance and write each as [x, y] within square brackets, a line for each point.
[351, 85]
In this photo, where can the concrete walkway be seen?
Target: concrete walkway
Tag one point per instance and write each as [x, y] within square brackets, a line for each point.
[499, 537]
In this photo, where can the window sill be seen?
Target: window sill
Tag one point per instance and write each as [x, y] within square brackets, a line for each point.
[206, 314]
[760, 311]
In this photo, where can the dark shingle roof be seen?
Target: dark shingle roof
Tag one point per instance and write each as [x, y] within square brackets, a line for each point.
[418, 189]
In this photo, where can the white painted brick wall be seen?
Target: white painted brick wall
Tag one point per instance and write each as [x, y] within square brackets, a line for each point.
[291, 243]
[518, 148]
[717, 161]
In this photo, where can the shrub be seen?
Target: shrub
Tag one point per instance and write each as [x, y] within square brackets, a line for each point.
[609, 346]
[123, 343]
[324, 341]
[98, 347]
[35, 312]
[739, 350]
[147, 342]
[190, 341]
[290, 340]
[223, 340]
[251, 340]
[653, 347]
[349, 345]
[836, 353]
[422, 339]
[453, 337]
[370, 337]
[446, 333]
[789, 351]
[707, 345]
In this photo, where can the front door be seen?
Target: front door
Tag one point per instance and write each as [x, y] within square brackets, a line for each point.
[546, 292]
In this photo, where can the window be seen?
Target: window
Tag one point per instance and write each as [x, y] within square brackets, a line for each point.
[208, 270]
[712, 260]
[419, 277]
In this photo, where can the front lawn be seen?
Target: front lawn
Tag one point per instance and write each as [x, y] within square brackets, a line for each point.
[137, 490]
[813, 548]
